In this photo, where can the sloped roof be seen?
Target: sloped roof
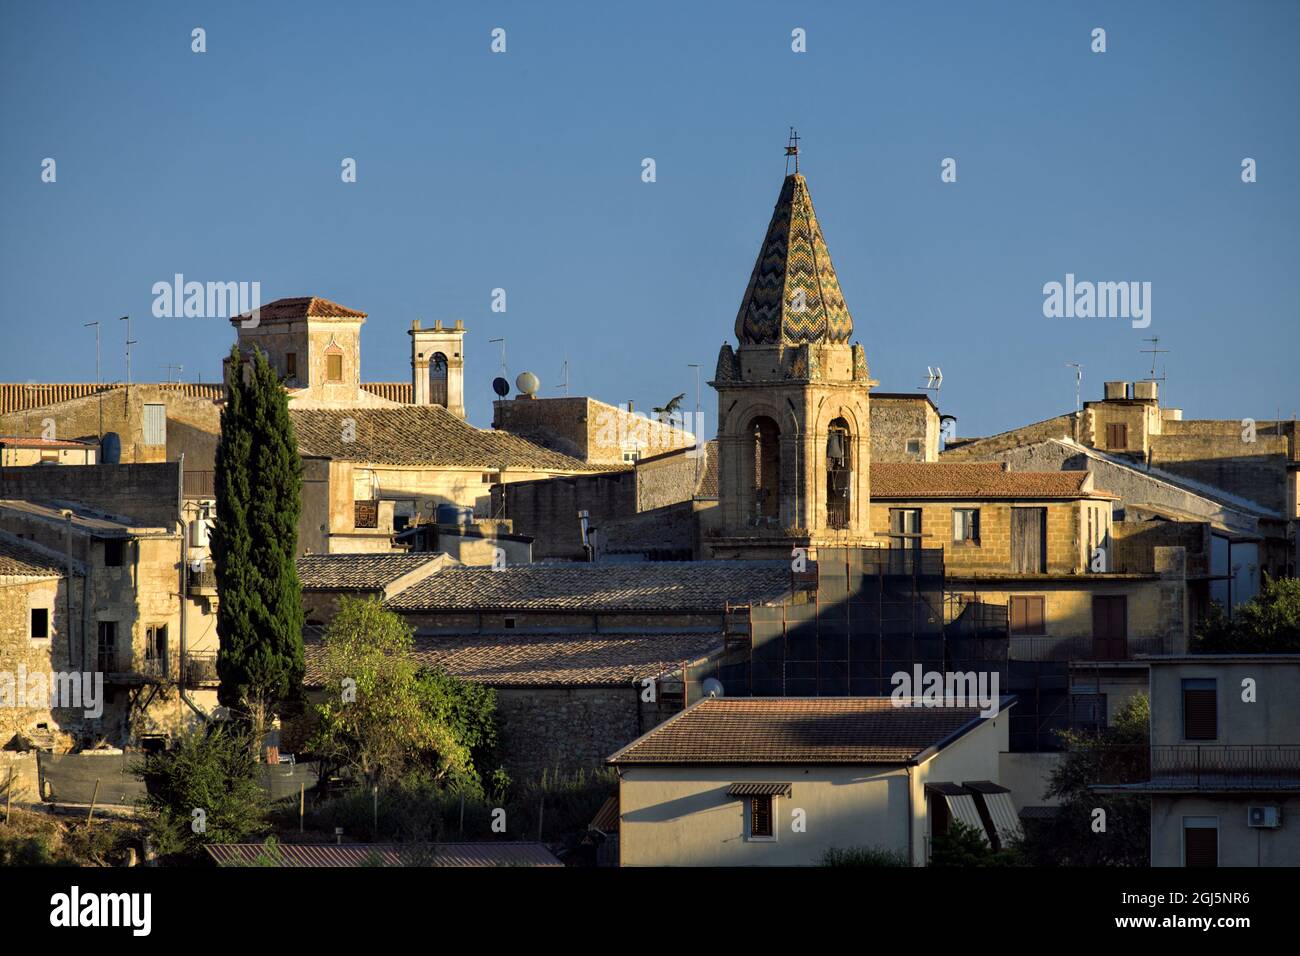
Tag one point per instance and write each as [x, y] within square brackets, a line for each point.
[22, 396]
[499, 853]
[978, 480]
[420, 435]
[303, 307]
[19, 561]
[802, 730]
[641, 586]
[360, 572]
[793, 262]
[526, 659]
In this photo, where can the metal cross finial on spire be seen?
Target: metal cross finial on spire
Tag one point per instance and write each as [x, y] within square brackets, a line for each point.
[792, 149]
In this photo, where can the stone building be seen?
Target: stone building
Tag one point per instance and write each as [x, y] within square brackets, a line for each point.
[591, 430]
[141, 618]
[46, 451]
[325, 578]
[794, 420]
[372, 474]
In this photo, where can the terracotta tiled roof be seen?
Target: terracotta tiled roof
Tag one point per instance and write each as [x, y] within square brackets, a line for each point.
[500, 853]
[20, 396]
[304, 307]
[908, 480]
[17, 441]
[420, 435]
[364, 572]
[545, 660]
[19, 561]
[798, 730]
[645, 586]
[393, 391]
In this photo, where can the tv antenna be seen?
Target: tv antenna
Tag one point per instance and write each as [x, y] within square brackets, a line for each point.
[502, 340]
[173, 368]
[934, 380]
[564, 376]
[1078, 384]
[1153, 352]
[129, 342]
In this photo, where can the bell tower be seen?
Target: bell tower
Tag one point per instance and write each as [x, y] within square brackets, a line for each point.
[794, 423]
[438, 366]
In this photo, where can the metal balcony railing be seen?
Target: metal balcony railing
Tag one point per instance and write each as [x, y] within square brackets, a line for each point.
[198, 484]
[200, 668]
[1047, 648]
[1209, 767]
[365, 514]
[202, 583]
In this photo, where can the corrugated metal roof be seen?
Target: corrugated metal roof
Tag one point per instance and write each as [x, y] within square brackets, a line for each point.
[997, 801]
[963, 808]
[759, 790]
[606, 818]
[385, 854]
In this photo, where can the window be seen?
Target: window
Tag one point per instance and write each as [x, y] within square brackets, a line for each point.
[914, 446]
[114, 553]
[631, 457]
[334, 367]
[1117, 436]
[155, 424]
[49, 458]
[40, 623]
[1026, 615]
[106, 647]
[760, 817]
[1088, 711]
[966, 525]
[763, 471]
[1109, 627]
[155, 648]
[290, 364]
[510, 624]
[1200, 708]
[1200, 841]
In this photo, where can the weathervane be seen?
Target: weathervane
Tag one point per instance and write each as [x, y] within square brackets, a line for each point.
[792, 149]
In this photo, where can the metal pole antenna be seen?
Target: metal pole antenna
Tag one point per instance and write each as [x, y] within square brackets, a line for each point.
[1078, 384]
[99, 392]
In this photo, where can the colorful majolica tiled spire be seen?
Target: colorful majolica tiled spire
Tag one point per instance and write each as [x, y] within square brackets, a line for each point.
[793, 294]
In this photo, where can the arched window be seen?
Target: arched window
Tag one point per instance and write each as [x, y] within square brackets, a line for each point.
[438, 379]
[765, 479]
[839, 473]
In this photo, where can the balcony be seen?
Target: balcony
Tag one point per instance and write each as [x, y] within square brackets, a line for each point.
[365, 514]
[201, 583]
[1223, 768]
[198, 484]
[1081, 648]
[201, 669]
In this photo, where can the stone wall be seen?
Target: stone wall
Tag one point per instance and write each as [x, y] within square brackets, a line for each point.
[984, 449]
[569, 729]
[193, 423]
[149, 493]
[897, 420]
[588, 429]
[1256, 471]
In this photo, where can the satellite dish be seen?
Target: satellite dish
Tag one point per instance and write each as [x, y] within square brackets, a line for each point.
[528, 383]
[501, 386]
[712, 687]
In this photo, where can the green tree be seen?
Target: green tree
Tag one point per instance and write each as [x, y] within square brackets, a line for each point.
[258, 483]
[212, 770]
[383, 716]
[1119, 753]
[1270, 623]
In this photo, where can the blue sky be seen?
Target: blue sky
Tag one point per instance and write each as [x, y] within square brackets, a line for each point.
[522, 170]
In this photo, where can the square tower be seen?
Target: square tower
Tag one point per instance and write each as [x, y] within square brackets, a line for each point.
[438, 366]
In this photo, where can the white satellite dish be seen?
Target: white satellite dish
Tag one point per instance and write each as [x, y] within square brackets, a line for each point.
[712, 687]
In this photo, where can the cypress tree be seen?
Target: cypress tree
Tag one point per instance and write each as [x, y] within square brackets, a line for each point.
[258, 482]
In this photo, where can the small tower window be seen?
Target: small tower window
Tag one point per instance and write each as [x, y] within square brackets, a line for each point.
[334, 367]
[839, 474]
[438, 379]
[766, 464]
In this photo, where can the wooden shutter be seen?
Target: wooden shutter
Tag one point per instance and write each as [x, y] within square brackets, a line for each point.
[1200, 710]
[1117, 436]
[1110, 627]
[760, 816]
[1200, 846]
[1028, 544]
[1027, 615]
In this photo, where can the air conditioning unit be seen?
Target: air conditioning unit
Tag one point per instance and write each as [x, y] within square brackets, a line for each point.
[1267, 818]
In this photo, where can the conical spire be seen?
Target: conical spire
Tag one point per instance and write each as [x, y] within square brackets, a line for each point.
[793, 294]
